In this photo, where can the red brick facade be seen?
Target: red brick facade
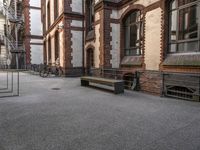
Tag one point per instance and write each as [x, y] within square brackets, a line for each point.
[100, 40]
[27, 39]
[27, 30]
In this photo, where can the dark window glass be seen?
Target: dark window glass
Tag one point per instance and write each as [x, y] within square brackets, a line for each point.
[173, 26]
[0, 46]
[57, 46]
[188, 23]
[49, 50]
[56, 9]
[91, 58]
[90, 6]
[45, 52]
[184, 21]
[184, 2]
[49, 14]
[133, 34]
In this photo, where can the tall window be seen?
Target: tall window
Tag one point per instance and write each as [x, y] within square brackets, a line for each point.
[184, 26]
[90, 8]
[56, 9]
[133, 34]
[0, 47]
[49, 50]
[48, 14]
[90, 58]
[57, 45]
[44, 23]
[1, 41]
[45, 52]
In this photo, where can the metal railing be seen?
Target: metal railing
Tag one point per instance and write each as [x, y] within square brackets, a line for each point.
[10, 12]
[9, 83]
[16, 19]
[13, 46]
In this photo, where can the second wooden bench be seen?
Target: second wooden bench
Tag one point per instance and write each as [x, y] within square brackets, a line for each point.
[117, 84]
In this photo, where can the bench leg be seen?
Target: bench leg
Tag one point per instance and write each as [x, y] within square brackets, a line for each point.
[119, 88]
[84, 83]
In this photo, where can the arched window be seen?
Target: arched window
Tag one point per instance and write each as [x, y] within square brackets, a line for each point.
[184, 24]
[133, 34]
[57, 45]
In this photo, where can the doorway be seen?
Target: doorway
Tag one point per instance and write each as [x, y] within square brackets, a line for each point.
[90, 61]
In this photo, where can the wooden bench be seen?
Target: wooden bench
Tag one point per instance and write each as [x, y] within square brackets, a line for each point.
[117, 84]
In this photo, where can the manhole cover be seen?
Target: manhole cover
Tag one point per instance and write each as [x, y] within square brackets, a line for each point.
[55, 89]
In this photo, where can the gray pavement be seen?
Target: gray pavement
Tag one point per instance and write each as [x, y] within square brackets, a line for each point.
[79, 118]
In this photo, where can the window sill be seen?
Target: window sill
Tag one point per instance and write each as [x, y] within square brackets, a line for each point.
[132, 61]
[90, 35]
[186, 59]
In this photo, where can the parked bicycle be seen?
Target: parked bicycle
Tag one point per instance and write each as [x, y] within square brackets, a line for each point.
[48, 69]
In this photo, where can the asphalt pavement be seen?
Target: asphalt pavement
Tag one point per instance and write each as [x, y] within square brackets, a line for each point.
[59, 114]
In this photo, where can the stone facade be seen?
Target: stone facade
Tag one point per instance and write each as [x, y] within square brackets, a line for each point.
[68, 24]
[106, 39]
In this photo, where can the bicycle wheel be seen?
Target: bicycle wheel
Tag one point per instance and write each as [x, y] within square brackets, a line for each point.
[60, 72]
[44, 73]
[56, 72]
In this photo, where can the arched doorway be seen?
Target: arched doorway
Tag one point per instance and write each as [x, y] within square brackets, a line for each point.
[89, 60]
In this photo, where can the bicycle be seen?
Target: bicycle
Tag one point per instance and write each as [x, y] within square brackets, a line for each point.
[48, 69]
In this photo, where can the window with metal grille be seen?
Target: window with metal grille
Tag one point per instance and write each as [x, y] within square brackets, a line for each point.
[183, 86]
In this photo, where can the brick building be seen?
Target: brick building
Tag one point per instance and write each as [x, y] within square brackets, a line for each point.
[63, 34]
[33, 32]
[159, 40]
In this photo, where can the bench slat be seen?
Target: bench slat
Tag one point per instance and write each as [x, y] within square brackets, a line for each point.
[97, 79]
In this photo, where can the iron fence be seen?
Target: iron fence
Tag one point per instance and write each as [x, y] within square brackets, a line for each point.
[9, 83]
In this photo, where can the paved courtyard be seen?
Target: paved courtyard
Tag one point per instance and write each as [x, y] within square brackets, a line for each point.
[78, 118]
